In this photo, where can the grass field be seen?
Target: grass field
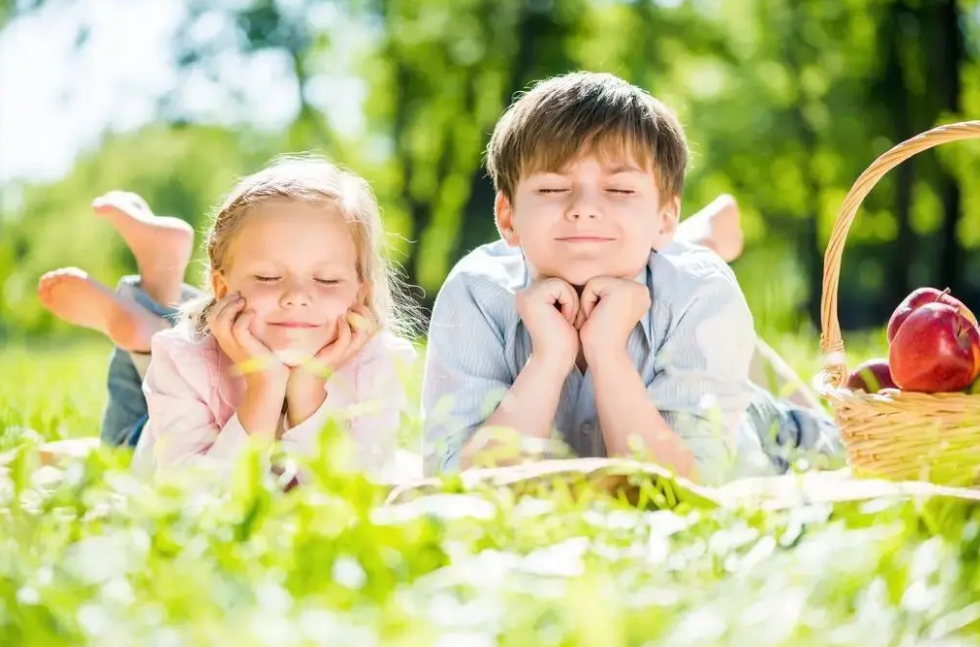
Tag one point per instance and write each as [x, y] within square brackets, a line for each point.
[90, 556]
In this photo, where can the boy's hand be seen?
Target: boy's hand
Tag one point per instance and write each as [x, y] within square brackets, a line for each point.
[611, 308]
[549, 308]
[229, 322]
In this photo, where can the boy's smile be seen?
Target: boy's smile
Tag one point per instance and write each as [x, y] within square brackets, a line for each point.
[598, 216]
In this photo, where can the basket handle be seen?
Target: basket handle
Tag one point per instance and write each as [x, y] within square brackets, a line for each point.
[831, 343]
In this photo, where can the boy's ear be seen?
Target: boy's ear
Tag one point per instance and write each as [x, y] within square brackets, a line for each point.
[670, 216]
[219, 286]
[503, 213]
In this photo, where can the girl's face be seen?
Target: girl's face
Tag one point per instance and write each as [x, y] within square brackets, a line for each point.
[295, 264]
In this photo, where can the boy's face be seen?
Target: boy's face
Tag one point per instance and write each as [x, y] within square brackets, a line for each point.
[599, 216]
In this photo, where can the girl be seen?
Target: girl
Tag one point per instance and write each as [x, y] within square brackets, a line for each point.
[299, 325]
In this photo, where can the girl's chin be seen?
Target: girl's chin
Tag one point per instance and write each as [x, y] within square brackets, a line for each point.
[294, 352]
[293, 356]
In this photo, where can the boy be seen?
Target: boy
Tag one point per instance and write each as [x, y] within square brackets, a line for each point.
[588, 317]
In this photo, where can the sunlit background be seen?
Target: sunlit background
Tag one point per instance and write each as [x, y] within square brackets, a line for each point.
[785, 103]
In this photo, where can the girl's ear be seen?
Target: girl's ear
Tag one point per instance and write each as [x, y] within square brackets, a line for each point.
[219, 286]
[363, 293]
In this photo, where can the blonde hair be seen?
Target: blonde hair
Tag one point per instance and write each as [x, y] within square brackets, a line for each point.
[311, 180]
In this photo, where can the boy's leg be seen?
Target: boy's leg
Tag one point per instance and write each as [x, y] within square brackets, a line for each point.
[126, 411]
[787, 431]
[717, 227]
[161, 245]
[771, 372]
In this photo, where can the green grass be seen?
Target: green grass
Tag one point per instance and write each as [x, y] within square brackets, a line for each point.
[56, 391]
[90, 556]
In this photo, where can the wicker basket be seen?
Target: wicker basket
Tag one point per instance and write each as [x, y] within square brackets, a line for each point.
[895, 435]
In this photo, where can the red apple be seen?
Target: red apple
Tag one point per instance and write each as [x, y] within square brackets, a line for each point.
[918, 298]
[871, 376]
[936, 350]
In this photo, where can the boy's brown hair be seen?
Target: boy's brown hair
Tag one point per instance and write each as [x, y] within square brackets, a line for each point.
[563, 117]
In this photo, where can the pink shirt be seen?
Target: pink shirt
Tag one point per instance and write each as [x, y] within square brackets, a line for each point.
[193, 396]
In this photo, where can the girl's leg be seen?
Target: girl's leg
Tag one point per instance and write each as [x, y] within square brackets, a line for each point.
[161, 245]
[74, 296]
[126, 411]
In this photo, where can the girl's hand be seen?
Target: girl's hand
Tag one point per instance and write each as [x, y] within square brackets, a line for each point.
[354, 330]
[306, 387]
[229, 323]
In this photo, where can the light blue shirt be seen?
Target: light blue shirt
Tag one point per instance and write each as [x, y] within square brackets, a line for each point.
[692, 350]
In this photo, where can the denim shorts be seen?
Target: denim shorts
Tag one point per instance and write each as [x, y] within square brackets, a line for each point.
[125, 413]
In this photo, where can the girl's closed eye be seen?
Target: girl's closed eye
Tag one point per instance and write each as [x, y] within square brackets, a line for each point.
[621, 191]
[328, 281]
[266, 279]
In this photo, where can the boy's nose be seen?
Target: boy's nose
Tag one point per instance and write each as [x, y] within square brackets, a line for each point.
[584, 205]
[580, 211]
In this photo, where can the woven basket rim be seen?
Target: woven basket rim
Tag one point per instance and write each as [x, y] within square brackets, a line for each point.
[831, 342]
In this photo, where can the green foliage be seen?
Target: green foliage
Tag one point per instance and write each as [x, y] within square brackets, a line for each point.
[51, 392]
[90, 556]
[785, 103]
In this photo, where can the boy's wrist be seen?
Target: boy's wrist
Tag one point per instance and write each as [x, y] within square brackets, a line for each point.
[551, 369]
[605, 361]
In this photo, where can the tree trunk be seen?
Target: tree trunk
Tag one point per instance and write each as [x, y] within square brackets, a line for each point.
[897, 286]
[951, 259]
[539, 41]
[809, 240]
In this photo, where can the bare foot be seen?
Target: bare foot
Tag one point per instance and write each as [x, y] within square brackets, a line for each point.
[75, 297]
[717, 226]
[162, 245]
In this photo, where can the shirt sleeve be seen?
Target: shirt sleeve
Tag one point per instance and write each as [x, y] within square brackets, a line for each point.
[701, 385]
[183, 427]
[466, 374]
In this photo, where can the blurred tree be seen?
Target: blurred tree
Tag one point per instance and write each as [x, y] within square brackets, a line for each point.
[785, 103]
